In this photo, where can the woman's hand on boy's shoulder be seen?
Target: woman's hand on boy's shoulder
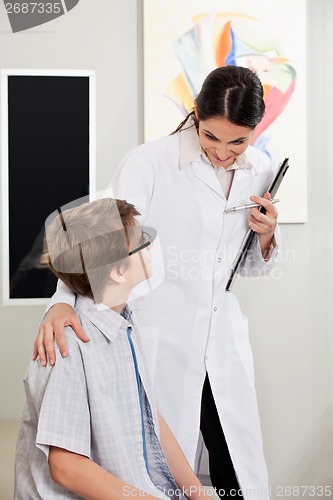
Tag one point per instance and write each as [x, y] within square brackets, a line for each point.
[52, 328]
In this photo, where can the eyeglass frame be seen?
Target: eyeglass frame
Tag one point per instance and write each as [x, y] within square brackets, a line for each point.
[141, 247]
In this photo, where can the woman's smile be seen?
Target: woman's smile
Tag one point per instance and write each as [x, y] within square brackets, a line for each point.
[222, 140]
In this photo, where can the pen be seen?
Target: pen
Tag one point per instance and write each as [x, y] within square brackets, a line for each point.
[250, 205]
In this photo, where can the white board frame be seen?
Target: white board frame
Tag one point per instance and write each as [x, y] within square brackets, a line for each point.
[4, 74]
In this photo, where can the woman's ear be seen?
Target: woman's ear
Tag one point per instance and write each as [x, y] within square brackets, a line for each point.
[117, 275]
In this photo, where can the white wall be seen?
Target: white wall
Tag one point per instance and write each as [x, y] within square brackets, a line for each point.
[102, 36]
[290, 317]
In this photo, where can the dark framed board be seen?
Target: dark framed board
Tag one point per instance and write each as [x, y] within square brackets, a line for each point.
[48, 160]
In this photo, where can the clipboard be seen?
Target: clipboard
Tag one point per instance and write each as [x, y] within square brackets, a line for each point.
[241, 255]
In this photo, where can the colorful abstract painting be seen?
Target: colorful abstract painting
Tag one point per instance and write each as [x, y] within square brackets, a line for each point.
[184, 41]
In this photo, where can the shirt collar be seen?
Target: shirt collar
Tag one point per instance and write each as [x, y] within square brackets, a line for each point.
[189, 145]
[105, 319]
[190, 149]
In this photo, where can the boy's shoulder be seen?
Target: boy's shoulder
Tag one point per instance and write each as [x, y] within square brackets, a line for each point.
[71, 338]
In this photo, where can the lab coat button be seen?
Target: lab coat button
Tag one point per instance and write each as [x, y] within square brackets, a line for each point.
[219, 260]
[215, 308]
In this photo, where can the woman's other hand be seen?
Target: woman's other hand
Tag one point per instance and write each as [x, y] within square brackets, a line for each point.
[264, 224]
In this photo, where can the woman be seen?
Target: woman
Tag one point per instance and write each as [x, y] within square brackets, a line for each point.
[182, 184]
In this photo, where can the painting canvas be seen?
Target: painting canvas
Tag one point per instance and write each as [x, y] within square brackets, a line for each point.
[184, 41]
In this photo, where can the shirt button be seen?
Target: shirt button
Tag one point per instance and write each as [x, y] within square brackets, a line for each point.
[219, 260]
[215, 309]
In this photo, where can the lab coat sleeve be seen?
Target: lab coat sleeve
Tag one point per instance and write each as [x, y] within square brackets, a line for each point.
[254, 264]
[62, 294]
[134, 180]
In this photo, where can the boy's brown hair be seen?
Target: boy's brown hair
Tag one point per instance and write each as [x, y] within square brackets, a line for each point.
[82, 260]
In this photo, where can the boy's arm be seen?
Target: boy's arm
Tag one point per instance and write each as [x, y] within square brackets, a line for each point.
[87, 479]
[181, 470]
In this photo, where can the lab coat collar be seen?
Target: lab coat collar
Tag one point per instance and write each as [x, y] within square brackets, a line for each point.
[243, 177]
[204, 171]
[189, 145]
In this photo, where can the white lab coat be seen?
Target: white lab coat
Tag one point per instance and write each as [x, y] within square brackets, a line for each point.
[190, 324]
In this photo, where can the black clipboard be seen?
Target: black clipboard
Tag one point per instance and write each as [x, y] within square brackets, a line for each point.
[241, 255]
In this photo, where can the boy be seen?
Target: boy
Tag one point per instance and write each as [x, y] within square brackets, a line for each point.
[90, 426]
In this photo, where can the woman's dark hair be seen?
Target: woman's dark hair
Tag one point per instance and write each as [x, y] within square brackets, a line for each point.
[230, 92]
